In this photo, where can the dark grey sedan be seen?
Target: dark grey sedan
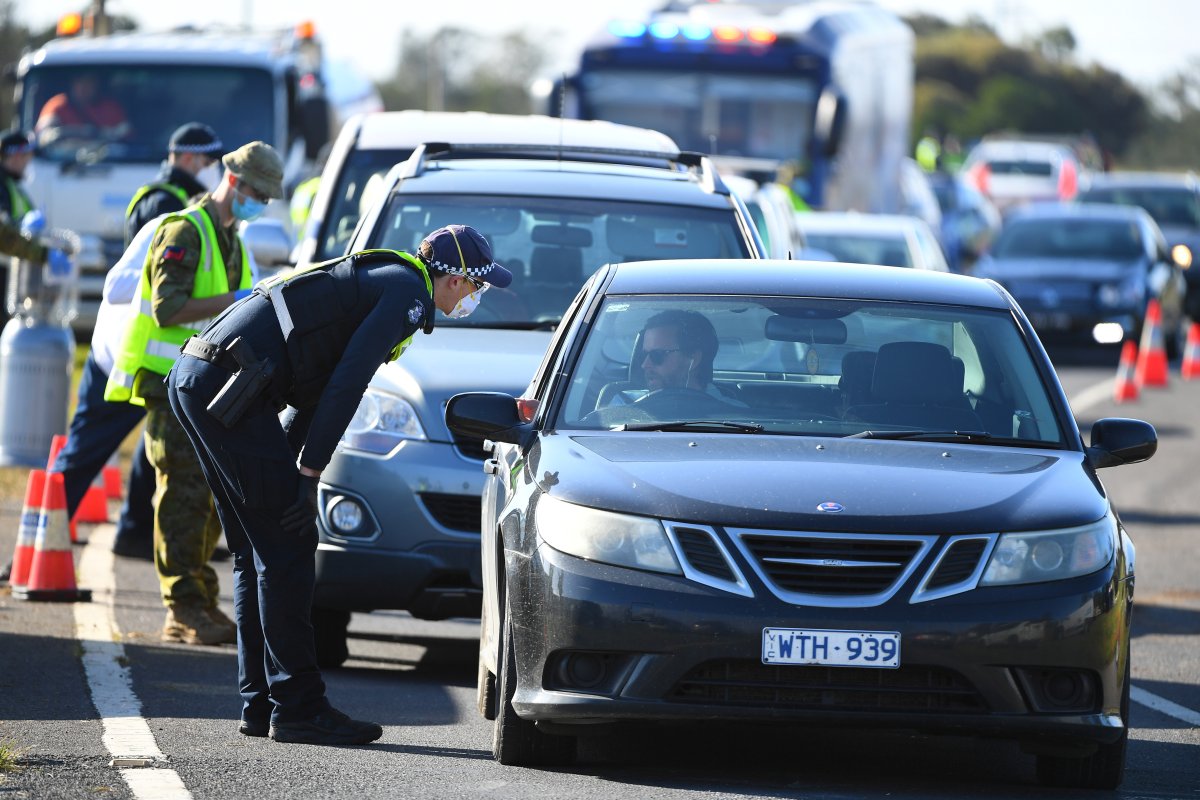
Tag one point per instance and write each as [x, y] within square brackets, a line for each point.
[818, 494]
[1089, 271]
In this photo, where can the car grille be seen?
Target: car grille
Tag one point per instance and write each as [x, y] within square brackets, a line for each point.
[754, 685]
[458, 512]
[471, 448]
[833, 569]
[703, 554]
[958, 563]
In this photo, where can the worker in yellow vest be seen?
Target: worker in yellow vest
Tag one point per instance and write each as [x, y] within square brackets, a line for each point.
[196, 267]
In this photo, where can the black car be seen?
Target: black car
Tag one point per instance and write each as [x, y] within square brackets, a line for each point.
[1088, 271]
[1173, 200]
[868, 505]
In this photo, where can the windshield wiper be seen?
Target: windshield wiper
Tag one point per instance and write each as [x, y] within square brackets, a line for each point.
[692, 425]
[926, 436]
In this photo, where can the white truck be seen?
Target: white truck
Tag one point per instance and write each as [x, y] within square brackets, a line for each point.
[247, 86]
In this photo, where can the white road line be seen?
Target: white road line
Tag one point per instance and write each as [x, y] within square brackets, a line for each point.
[1164, 706]
[1091, 396]
[126, 733]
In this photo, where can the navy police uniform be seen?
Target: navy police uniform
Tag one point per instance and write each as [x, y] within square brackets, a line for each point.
[346, 319]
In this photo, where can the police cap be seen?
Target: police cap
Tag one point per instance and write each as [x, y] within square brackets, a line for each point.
[259, 166]
[462, 250]
[15, 141]
[196, 137]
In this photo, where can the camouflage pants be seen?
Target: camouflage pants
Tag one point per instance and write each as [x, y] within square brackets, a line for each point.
[186, 529]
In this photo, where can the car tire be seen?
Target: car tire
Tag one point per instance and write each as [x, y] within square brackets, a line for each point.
[1103, 769]
[329, 631]
[517, 742]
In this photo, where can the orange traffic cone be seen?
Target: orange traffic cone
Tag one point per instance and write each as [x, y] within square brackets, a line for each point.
[52, 575]
[94, 505]
[112, 478]
[1152, 355]
[56, 444]
[1125, 389]
[1190, 368]
[35, 488]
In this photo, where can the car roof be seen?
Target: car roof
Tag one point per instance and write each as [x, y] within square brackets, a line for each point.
[407, 129]
[1100, 211]
[174, 48]
[543, 178]
[854, 222]
[1148, 180]
[804, 279]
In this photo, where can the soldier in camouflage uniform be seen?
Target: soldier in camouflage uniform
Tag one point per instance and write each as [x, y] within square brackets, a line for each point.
[195, 269]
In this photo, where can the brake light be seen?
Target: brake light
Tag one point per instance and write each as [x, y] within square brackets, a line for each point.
[979, 175]
[1068, 181]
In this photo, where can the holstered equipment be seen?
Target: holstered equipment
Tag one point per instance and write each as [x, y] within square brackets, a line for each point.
[249, 380]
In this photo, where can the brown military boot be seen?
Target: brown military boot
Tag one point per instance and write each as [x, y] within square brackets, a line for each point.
[218, 616]
[190, 623]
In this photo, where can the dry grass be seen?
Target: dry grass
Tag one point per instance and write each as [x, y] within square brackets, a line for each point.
[10, 757]
[13, 480]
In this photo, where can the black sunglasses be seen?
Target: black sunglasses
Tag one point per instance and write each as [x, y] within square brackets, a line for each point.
[657, 357]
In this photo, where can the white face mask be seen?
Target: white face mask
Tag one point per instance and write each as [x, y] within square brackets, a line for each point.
[210, 176]
[465, 306]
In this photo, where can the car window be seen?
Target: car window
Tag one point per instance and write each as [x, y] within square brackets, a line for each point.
[552, 244]
[1167, 205]
[814, 366]
[350, 198]
[864, 248]
[1020, 167]
[1070, 238]
[931, 251]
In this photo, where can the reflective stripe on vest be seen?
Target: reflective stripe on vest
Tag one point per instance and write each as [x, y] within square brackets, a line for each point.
[18, 201]
[146, 346]
[169, 188]
[412, 261]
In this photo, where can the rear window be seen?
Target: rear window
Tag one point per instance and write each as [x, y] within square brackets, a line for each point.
[553, 244]
[863, 249]
[1168, 206]
[1042, 169]
[1070, 238]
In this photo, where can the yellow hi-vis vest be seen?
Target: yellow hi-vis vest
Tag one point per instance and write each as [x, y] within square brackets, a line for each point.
[146, 345]
[18, 201]
[271, 283]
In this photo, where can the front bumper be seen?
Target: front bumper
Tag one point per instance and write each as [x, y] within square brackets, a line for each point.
[675, 650]
[417, 548]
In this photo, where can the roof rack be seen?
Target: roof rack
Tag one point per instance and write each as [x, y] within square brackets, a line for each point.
[692, 161]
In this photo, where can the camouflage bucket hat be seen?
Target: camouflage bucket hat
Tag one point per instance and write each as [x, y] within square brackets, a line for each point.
[259, 166]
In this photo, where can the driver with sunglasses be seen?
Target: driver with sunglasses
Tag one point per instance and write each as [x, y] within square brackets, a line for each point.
[309, 341]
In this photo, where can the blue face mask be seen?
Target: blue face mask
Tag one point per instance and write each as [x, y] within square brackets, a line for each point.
[246, 208]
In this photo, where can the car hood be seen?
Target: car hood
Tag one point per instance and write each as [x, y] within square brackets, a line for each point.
[1054, 269]
[452, 360]
[778, 482]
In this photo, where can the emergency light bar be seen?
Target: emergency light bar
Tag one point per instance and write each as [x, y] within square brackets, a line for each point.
[692, 32]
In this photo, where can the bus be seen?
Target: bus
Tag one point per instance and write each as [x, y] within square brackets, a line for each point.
[819, 92]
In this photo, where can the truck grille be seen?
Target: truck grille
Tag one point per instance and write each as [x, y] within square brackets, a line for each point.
[753, 685]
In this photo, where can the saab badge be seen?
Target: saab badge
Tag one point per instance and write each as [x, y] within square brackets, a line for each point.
[830, 508]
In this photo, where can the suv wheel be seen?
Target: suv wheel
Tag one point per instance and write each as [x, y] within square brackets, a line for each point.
[329, 630]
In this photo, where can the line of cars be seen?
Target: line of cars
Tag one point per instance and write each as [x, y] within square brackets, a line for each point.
[723, 555]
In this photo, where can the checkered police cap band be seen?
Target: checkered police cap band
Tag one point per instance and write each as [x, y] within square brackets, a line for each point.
[212, 148]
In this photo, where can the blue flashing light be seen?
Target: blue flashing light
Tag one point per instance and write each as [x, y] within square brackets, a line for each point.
[664, 30]
[627, 29]
[696, 33]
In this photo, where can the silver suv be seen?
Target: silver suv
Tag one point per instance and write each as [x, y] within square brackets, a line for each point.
[400, 501]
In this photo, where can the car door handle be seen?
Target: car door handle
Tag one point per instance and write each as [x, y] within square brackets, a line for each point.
[491, 466]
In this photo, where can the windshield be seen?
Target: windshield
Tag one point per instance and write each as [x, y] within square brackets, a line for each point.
[128, 113]
[798, 365]
[553, 244]
[861, 248]
[1103, 239]
[361, 177]
[755, 116]
[1169, 207]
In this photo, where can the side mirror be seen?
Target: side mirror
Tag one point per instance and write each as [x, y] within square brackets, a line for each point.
[487, 415]
[270, 243]
[1117, 441]
[830, 122]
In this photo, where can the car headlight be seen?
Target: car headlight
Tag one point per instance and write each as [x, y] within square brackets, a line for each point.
[619, 539]
[1038, 556]
[381, 422]
[1129, 293]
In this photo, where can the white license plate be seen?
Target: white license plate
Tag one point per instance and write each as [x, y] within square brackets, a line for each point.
[831, 648]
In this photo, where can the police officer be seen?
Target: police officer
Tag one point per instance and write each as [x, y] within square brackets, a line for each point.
[190, 169]
[310, 341]
[16, 151]
[196, 267]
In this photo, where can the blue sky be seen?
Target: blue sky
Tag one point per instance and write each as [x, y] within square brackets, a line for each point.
[1145, 41]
